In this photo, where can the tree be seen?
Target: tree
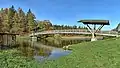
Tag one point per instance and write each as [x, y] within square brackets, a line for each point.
[16, 24]
[1, 19]
[31, 20]
[4, 17]
[74, 27]
[44, 25]
[1, 25]
[79, 27]
[62, 26]
[22, 22]
[41, 26]
[10, 22]
[47, 24]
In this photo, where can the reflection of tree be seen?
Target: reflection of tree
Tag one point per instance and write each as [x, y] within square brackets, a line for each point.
[69, 42]
[26, 49]
[29, 51]
[43, 51]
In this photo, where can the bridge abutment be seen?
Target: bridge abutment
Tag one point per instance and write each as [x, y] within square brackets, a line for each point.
[93, 39]
[34, 38]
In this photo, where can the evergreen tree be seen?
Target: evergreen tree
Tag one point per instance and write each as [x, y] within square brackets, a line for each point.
[23, 25]
[74, 27]
[40, 25]
[47, 25]
[11, 13]
[5, 20]
[1, 25]
[31, 20]
[18, 22]
[16, 25]
[44, 25]
[1, 19]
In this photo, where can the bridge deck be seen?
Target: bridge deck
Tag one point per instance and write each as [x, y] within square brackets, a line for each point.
[105, 33]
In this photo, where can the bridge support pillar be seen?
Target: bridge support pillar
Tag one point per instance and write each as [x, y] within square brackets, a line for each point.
[93, 31]
[94, 23]
[93, 39]
[34, 38]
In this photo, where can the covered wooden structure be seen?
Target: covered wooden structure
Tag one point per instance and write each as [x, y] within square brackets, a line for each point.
[94, 23]
[7, 39]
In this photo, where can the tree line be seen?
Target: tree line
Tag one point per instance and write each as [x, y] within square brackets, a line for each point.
[17, 21]
[61, 27]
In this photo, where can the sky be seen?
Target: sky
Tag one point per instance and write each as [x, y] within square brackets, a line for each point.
[68, 12]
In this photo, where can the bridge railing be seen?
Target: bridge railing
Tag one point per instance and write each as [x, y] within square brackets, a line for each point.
[70, 30]
[76, 31]
[108, 32]
[79, 30]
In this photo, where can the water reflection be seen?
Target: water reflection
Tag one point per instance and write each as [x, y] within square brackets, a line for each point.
[55, 54]
[39, 51]
[62, 42]
[30, 50]
[44, 49]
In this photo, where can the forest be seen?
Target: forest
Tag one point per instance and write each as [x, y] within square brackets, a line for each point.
[18, 21]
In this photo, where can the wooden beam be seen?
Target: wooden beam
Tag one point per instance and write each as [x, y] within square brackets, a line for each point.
[90, 29]
[94, 29]
[94, 26]
[99, 28]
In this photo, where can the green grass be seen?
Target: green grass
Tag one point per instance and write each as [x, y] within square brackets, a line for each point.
[99, 54]
[12, 59]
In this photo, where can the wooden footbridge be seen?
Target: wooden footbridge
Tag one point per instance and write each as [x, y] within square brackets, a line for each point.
[91, 30]
[75, 31]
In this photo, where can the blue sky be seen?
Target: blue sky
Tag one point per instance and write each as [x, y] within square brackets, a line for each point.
[67, 12]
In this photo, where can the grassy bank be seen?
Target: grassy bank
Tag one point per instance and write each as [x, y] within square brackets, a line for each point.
[99, 54]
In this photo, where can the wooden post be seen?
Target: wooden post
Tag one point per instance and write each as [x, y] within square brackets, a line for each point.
[34, 38]
[93, 33]
[99, 28]
[90, 29]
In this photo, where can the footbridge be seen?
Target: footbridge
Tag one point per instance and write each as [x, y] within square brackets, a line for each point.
[75, 31]
[93, 29]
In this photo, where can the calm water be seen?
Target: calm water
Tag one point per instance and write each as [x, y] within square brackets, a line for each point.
[54, 54]
[44, 49]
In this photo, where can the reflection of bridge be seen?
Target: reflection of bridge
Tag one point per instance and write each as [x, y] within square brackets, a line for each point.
[75, 31]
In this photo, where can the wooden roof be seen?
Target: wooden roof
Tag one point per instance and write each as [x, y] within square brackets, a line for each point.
[104, 22]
